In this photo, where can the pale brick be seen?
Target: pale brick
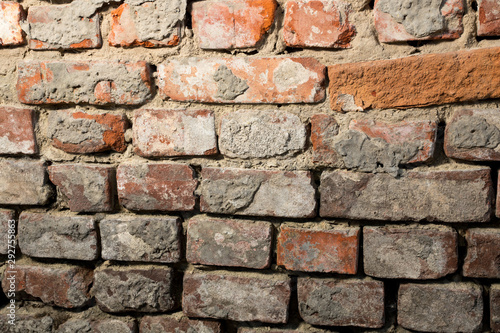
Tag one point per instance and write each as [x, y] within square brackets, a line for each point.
[17, 134]
[177, 323]
[11, 15]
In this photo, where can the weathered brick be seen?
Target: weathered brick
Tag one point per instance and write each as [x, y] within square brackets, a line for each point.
[26, 323]
[301, 328]
[23, 182]
[65, 286]
[177, 323]
[488, 22]
[174, 133]
[483, 253]
[17, 135]
[11, 14]
[86, 187]
[335, 302]
[92, 82]
[225, 24]
[257, 192]
[109, 325]
[229, 242]
[239, 297]
[441, 307]
[495, 308]
[80, 132]
[242, 80]
[410, 252]
[398, 21]
[57, 235]
[422, 80]
[318, 23]
[318, 248]
[135, 288]
[6, 215]
[150, 24]
[161, 186]
[261, 134]
[457, 195]
[141, 238]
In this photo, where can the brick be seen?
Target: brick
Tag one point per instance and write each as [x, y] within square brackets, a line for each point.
[6, 215]
[141, 238]
[174, 133]
[177, 323]
[473, 135]
[488, 22]
[89, 82]
[135, 288]
[410, 252]
[17, 135]
[229, 242]
[109, 325]
[226, 25]
[318, 23]
[440, 307]
[149, 24]
[399, 21]
[11, 15]
[57, 235]
[483, 253]
[80, 132]
[66, 286]
[23, 182]
[335, 302]
[160, 186]
[257, 192]
[422, 80]
[495, 308]
[242, 80]
[457, 195]
[318, 248]
[26, 323]
[86, 187]
[301, 328]
[261, 134]
[239, 297]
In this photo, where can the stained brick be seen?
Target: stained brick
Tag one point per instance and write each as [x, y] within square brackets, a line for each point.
[495, 307]
[488, 22]
[7, 215]
[483, 252]
[177, 323]
[98, 325]
[17, 135]
[11, 14]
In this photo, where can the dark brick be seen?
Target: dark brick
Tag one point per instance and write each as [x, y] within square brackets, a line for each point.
[483, 253]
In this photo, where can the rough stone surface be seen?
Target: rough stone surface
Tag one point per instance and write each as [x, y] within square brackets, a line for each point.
[488, 21]
[248, 297]
[422, 80]
[141, 238]
[6, 215]
[178, 324]
[97, 326]
[318, 23]
[86, 187]
[174, 133]
[410, 252]
[257, 192]
[17, 135]
[135, 288]
[329, 250]
[226, 25]
[242, 80]
[27, 324]
[229, 242]
[495, 307]
[161, 186]
[429, 307]
[11, 32]
[80, 132]
[261, 134]
[458, 195]
[349, 302]
[91, 82]
[56, 235]
[483, 253]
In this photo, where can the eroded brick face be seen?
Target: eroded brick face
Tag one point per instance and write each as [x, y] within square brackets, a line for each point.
[483, 252]
[168, 323]
[488, 19]
[17, 135]
[11, 14]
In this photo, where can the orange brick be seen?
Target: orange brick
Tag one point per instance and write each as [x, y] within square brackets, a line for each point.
[11, 14]
[17, 135]
[488, 23]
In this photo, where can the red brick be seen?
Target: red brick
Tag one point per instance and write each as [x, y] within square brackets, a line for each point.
[229, 24]
[242, 80]
[421, 80]
[483, 253]
[318, 23]
[7, 215]
[17, 135]
[488, 22]
[79, 132]
[335, 302]
[11, 14]
[410, 252]
[86, 187]
[91, 82]
[178, 324]
[495, 308]
[174, 133]
[457, 195]
[229, 242]
[239, 297]
[160, 186]
[325, 248]
[397, 23]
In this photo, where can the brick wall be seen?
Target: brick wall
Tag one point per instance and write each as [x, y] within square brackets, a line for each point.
[250, 165]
